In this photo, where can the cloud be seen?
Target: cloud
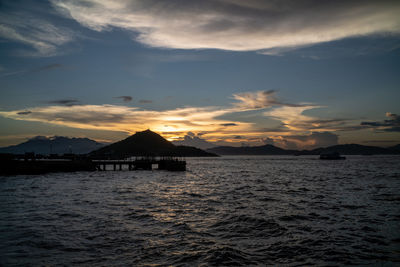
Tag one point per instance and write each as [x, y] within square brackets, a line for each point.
[125, 98]
[294, 129]
[144, 101]
[255, 100]
[259, 100]
[191, 134]
[228, 124]
[24, 112]
[236, 25]
[129, 119]
[43, 36]
[309, 141]
[268, 141]
[390, 125]
[65, 102]
[191, 140]
[294, 119]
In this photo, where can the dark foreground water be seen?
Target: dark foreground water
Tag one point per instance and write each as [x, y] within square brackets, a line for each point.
[227, 211]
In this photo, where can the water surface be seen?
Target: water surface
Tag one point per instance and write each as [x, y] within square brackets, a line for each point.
[267, 210]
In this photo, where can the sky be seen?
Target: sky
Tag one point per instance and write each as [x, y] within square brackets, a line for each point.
[296, 74]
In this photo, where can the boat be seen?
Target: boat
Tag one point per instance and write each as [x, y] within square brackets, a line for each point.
[331, 156]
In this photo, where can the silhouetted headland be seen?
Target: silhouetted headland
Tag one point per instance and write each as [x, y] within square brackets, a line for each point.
[54, 145]
[148, 144]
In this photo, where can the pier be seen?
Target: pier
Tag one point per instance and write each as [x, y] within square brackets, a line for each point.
[32, 164]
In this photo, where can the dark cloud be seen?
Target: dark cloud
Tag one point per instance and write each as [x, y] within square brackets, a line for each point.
[144, 101]
[91, 117]
[125, 98]
[328, 121]
[279, 129]
[228, 124]
[390, 125]
[237, 137]
[190, 139]
[24, 112]
[64, 102]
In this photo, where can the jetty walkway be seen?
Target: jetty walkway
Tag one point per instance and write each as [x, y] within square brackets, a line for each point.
[32, 164]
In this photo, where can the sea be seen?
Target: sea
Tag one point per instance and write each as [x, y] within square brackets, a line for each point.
[226, 211]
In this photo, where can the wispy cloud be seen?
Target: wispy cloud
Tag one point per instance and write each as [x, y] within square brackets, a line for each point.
[294, 128]
[43, 36]
[307, 141]
[173, 123]
[259, 100]
[294, 119]
[128, 119]
[392, 124]
[267, 26]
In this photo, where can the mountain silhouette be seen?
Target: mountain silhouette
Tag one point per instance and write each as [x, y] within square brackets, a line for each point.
[147, 143]
[53, 145]
[348, 149]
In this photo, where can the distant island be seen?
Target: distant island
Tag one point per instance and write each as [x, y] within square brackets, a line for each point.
[54, 145]
[348, 149]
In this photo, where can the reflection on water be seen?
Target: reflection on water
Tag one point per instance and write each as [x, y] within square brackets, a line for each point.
[225, 211]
